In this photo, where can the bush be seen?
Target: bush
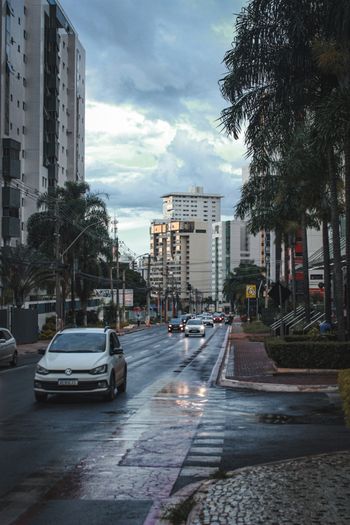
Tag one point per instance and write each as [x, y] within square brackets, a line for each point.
[256, 327]
[48, 329]
[307, 337]
[344, 389]
[308, 354]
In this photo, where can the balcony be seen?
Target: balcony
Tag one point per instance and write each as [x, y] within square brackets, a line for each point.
[52, 104]
[11, 197]
[11, 227]
[11, 168]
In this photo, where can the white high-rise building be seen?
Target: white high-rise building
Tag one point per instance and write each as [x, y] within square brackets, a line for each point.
[231, 245]
[180, 260]
[192, 205]
[42, 108]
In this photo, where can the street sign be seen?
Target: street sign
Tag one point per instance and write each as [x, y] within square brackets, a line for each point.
[250, 291]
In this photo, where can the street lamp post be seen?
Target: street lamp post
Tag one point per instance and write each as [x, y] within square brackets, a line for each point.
[60, 262]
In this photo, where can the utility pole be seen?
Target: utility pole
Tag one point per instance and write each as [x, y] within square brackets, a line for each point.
[58, 261]
[123, 308]
[148, 296]
[116, 252]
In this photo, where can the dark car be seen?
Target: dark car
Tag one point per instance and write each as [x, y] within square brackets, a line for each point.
[218, 317]
[185, 317]
[176, 324]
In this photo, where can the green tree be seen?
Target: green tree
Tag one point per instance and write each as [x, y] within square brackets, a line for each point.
[23, 270]
[234, 288]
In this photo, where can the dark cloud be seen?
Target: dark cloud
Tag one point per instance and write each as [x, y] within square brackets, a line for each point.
[153, 52]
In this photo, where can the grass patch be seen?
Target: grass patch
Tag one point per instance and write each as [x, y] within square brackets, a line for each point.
[178, 514]
[255, 327]
[219, 474]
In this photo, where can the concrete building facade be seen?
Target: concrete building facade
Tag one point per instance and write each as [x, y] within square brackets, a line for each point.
[192, 205]
[180, 261]
[42, 108]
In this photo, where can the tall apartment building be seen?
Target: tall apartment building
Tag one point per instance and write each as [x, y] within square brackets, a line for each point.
[180, 258]
[42, 108]
[192, 205]
[231, 245]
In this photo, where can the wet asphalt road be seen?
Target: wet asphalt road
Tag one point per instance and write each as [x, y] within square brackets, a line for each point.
[79, 460]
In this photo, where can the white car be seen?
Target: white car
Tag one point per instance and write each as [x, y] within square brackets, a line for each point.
[8, 348]
[81, 361]
[195, 327]
[208, 320]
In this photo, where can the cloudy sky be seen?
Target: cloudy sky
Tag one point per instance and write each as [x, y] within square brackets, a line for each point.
[153, 103]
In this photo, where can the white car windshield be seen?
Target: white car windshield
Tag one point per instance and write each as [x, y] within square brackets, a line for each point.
[79, 342]
[194, 321]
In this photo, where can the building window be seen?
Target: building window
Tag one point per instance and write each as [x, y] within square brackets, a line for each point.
[18, 103]
[19, 48]
[25, 34]
[24, 58]
[17, 131]
[24, 82]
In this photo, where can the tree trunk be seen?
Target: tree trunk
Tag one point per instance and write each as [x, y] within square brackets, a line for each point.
[327, 273]
[278, 262]
[306, 286]
[278, 254]
[292, 263]
[347, 229]
[337, 272]
[286, 259]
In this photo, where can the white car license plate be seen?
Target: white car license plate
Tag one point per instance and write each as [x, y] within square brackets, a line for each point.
[67, 382]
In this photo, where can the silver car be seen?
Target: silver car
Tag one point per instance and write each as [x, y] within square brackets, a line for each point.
[8, 348]
[195, 327]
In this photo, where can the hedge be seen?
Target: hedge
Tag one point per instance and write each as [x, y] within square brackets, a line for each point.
[306, 337]
[344, 389]
[308, 354]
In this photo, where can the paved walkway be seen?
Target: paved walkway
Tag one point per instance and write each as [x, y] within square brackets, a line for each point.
[305, 491]
[247, 365]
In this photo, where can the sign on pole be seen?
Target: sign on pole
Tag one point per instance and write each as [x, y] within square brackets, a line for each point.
[250, 291]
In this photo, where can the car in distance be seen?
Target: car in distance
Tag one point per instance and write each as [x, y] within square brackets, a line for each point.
[81, 361]
[8, 348]
[185, 317]
[208, 320]
[176, 325]
[195, 327]
[218, 317]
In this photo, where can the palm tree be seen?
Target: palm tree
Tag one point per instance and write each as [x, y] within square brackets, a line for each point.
[273, 84]
[23, 270]
[82, 230]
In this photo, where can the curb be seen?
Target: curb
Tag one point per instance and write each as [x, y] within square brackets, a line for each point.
[215, 373]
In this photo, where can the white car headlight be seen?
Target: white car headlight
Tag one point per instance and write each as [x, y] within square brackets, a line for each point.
[41, 370]
[98, 370]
